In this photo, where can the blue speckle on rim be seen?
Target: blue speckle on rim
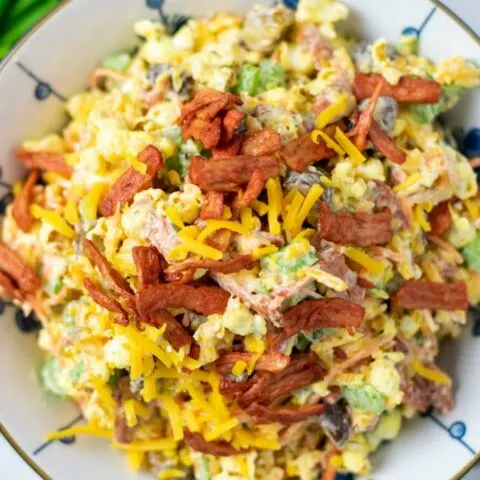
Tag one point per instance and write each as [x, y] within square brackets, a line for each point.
[344, 476]
[476, 329]
[155, 3]
[471, 143]
[26, 323]
[457, 430]
[68, 440]
[411, 31]
[292, 4]
[3, 305]
[42, 91]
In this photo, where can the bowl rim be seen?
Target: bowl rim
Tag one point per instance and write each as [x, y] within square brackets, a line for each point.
[6, 60]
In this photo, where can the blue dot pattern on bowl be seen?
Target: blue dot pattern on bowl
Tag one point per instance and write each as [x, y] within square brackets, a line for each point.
[292, 4]
[412, 31]
[471, 143]
[42, 91]
[155, 3]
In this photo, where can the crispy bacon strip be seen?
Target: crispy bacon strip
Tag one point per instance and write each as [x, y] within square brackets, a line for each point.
[175, 334]
[409, 89]
[115, 281]
[8, 288]
[301, 152]
[232, 123]
[212, 206]
[254, 188]
[262, 142]
[228, 149]
[439, 219]
[331, 312]
[384, 144]
[21, 205]
[106, 301]
[366, 117]
[362, 229]
[268, 388]
[48, 161]
[204, 299]
[228, 174]
[149, 263]
[230, 265]
[286, 416]
[268, 362]
[208, 132]
[132, 181]
[433, 295]
[207, 104]
[219, 448]
[12, 264]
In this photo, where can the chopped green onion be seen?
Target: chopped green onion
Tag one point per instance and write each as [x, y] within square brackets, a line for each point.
[365, 398]
[118, 62]
[471, 253]
[248, 80]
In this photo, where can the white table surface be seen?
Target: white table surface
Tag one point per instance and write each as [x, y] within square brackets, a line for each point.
[12, 467]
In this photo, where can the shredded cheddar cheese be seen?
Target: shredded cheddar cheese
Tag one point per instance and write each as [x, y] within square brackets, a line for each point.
[260, 207]
[54, 220]
[411, 180]
[274, 194]
[157, 445]
[329, 141]
[173, 411]
[430, 374]
[92, 200]
[332, 112]
[174, 216]
[80, 430]
[199, 248]
[352, 151]
[421, 219]
[264, 251]
[239, 367]
[214, 225]
[312, 196]
[221, 429]
[364, 260]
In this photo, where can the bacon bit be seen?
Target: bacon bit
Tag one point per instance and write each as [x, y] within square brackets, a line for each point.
[330, 472]
[233, 389]
[8, 288]
[132, 182]
[219, 448]
[409, 89]
[268, 362]
[384, 144]
[228, 174]
[230, 265]
[362, 229]
[339, 354]
[199, 119]
[285, 416]
[433, 295]
[301, 152]
[387, 198]
[268, 388]
[387, 253]
[364, 283]
[254, 188]
[221, 239]
[203, 299]
[149, 263]
[331, 312]
[194, 351]
[207, 104]
[48, 161]
[12, 264]
[115, 281]
[474, 162]
[366, 117]
[439, 219]
[228, 149]
[212, 205]
[106, 301]
[102, 73]
[21, 205]
[232, 123]
[263, 142]
[208, 132]
[174, 334]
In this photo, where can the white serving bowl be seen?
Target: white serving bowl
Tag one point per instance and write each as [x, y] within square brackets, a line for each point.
[53, 63]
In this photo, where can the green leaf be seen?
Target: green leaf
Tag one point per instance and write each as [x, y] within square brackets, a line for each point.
[426, 113]
[57, 288]
[114, 377]
[48, 377]
[248, 80]
[271, 75]
[118, 62]
[77, 371]
[365, 398]
[471, 253]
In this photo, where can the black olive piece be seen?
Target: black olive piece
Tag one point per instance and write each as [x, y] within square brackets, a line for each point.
[27, 323]
[335, 421]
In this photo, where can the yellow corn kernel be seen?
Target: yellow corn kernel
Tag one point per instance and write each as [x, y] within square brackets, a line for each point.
[239, 367]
